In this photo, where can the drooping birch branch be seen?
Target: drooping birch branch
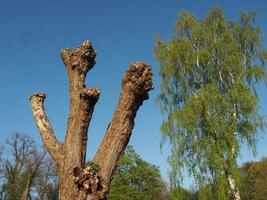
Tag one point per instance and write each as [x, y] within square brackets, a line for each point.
[136, 84]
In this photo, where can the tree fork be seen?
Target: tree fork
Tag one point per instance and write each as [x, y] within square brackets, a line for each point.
[76, 180]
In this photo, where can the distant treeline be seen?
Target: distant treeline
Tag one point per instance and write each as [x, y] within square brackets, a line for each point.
[28, 173]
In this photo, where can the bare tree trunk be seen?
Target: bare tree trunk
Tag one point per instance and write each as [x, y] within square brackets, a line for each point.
[27, 187]
[32, 170]
[231, 181]
[76, 181]
[235, 194]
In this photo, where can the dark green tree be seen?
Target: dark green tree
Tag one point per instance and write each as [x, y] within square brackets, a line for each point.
[180, 193]
[209, 71]
[254, 180]
[176, 193]
[135, 179]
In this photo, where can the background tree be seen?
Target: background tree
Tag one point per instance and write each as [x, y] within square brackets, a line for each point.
[209, 72]
[165, 193]
[135, 179]
[24, 167]
[1, 173]
[70, 156]
[46, 184]
[180, 193]
[19, 168]
[254, 180]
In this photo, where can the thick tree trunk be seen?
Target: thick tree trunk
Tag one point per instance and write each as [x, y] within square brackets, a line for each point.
[77, 181]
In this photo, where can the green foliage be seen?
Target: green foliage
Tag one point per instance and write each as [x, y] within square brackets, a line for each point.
[135, 179]
[254, 180]
[93, 166]
[14, 185]
[180, 193]
[209, 71]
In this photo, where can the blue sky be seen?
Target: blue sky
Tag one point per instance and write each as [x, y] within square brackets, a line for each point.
[33, 32]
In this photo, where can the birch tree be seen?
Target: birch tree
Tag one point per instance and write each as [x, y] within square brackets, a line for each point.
[210, 69]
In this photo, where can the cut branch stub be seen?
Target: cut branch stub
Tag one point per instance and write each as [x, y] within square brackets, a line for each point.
[138, 79]
[81, 58]
[89, 98]
[38, 99]
[90, 94]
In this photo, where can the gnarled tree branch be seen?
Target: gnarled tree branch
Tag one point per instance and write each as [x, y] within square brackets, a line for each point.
[78, 62]
[44, 126]
[136, 84]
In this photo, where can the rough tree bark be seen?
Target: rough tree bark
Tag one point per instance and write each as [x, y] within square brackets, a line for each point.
[77, 181]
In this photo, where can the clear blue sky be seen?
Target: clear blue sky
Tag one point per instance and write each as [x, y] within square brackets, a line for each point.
[32, 32]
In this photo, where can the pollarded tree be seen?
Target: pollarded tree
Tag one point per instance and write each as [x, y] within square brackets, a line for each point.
[210, 69]
[76, 181]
